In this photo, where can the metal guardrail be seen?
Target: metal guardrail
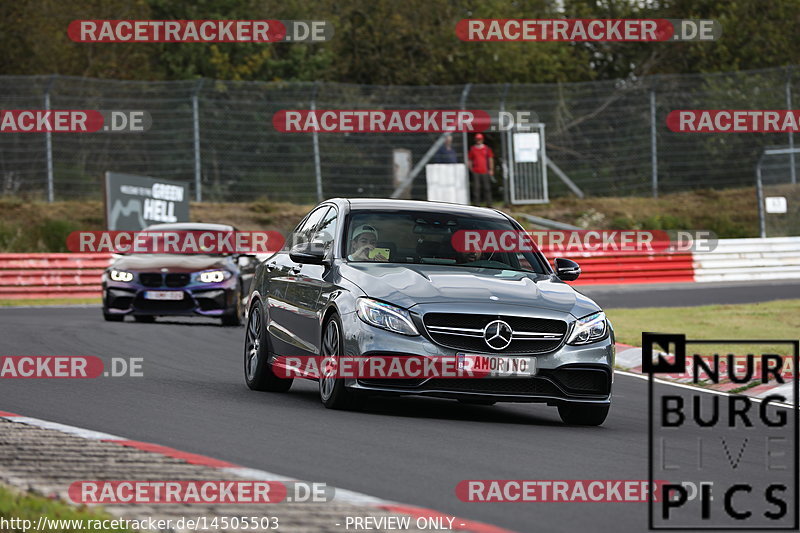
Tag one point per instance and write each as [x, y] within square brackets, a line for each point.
[63, 275]
[625, 269]
[750, 259]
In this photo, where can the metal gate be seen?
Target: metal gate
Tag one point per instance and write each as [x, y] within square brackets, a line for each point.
[525, 165]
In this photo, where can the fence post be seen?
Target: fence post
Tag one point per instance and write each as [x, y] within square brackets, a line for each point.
[464, 138]
[198, 194]
[762, 225]
[504, 149]
[653, 143]
[315, 140]
[791, 134]
[48, 136]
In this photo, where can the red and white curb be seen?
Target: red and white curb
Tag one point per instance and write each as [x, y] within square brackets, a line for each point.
[630, 358]
[341, 495]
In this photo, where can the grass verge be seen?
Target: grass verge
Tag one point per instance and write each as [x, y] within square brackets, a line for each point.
[734, 213]
[37, 226]
[779, 319]
[26, 506]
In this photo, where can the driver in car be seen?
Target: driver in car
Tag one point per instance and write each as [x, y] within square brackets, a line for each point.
[362, 247]
[468, 257]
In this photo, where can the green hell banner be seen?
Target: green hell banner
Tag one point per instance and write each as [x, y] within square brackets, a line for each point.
[135, 202]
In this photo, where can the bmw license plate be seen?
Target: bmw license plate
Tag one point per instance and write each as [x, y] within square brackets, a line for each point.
[163, 295]
[498, 365]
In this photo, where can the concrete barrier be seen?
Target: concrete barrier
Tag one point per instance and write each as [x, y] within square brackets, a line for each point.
[749, 259]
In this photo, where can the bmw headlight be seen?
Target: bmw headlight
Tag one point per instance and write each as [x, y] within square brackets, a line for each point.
[385, 316]
[213, 276]
[589, 329]
[120, 275]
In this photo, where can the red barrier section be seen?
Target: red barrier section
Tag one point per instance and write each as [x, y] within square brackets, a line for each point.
[65, 275]
[28, 276]
[627, 268]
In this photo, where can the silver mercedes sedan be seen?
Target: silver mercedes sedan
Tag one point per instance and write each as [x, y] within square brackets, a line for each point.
[365, 278]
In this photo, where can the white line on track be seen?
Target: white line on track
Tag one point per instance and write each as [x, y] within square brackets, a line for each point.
[63, 428]
[694, 388]
[60, 306]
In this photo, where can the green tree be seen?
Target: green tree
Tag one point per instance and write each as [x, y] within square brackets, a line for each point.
[33, 37]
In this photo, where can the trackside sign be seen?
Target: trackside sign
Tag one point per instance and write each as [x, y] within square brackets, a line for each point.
[135, 202]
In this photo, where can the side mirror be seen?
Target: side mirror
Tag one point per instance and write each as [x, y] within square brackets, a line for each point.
[308, 254]
[567, 270]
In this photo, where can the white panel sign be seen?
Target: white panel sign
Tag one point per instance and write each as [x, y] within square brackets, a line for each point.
[526, 147]
[775, 204]
[447, 183]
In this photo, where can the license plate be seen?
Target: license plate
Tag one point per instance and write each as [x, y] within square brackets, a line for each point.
[497, 365]
[163, 295]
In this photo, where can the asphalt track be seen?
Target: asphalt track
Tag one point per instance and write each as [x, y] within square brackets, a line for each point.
[193, 397]
[690, 294]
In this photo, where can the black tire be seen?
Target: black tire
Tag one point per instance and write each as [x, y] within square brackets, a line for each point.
[145, 319]
[112, 318]
[477, 402]
[332, 391]
[257, 366]
[234, 316]
[583, 415]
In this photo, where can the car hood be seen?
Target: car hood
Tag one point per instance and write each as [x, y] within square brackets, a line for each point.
[172, 262]
[410, 285]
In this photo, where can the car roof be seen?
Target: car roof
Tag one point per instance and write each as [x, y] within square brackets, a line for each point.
[419, 205]
[190, 226]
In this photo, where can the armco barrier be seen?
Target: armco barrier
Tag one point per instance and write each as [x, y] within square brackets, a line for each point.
[732, 260]
[629, 268]
[26, 276]
[749, 259]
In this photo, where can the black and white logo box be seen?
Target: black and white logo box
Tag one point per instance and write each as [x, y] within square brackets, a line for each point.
[724, 461]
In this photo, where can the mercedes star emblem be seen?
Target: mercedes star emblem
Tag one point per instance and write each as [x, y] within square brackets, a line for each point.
[497, 335]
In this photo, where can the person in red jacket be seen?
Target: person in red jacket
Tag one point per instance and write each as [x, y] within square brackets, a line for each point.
[481, 165]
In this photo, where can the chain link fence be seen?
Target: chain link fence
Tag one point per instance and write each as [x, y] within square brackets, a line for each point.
[609, 137]
[778, 184]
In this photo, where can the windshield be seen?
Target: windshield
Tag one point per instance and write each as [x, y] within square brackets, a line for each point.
[414, 237]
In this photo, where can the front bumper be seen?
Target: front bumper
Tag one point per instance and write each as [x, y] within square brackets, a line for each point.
[569, 374]
[212, 300]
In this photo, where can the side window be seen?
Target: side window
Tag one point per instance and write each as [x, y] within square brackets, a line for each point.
[326, 231]
[524, 263]
[305, 230]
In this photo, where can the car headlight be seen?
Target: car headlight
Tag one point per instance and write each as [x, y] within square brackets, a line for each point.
[120, 275]
[213, 276]
[385, 316]
[589, 329]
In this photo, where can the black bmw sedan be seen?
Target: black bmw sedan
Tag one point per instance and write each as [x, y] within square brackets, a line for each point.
[147, 285]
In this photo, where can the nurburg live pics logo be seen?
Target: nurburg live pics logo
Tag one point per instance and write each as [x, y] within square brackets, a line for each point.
[731, 459]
